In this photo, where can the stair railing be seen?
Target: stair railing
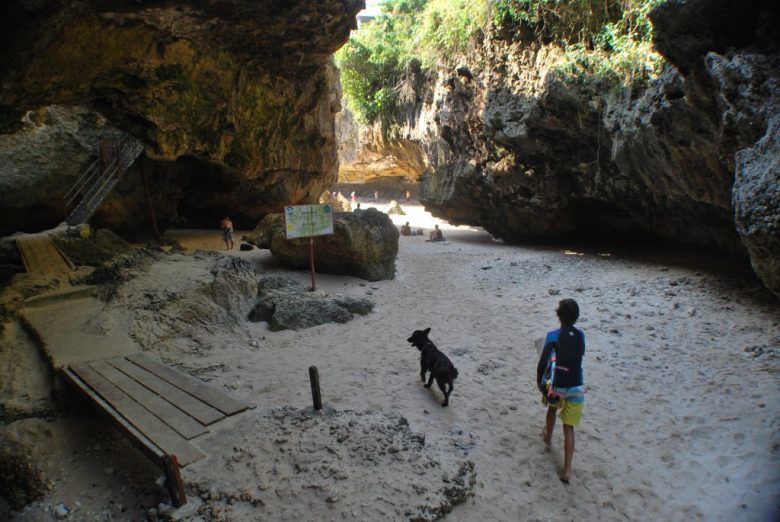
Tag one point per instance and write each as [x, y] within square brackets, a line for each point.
[98, 179]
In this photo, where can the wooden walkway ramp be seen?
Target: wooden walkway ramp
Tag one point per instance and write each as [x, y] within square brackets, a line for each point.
[40, 256]
[159, 407]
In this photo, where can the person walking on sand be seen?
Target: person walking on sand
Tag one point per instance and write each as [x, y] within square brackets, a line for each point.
[376, 196]
[559, 378]
[408, 197]
[227, 233]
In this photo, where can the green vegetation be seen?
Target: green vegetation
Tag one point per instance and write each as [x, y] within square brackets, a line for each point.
[607, 40]
[376, 58]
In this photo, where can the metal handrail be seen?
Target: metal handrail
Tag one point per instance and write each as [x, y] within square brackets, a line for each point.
[101, 183]
[83, 180]
[111, 171]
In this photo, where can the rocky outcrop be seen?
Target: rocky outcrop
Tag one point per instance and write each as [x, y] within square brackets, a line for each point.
[246, 90]
[390, 156]
[346, 460]
[369, 153]
[364, 244]
[756, 198]
[526, 152]
[39, 162]
[286, 304]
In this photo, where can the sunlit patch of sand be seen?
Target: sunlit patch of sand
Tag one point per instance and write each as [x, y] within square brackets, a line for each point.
[417, 217]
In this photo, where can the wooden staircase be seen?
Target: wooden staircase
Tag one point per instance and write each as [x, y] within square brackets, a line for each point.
[97, 181]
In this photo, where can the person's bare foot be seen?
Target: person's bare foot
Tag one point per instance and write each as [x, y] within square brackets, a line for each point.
[546, 438]
[565, 477]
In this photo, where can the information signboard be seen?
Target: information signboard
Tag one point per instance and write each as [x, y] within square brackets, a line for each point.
[308, 220]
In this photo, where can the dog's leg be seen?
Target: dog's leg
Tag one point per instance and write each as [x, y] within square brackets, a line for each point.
[441, 382]
[430, 380]
[422, 371]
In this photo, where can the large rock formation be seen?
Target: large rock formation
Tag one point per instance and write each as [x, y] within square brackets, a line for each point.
[525, 152]
[243, 92]
[364, 244]
[286, 304]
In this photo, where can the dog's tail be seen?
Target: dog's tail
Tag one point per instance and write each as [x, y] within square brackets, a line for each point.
[453, 372]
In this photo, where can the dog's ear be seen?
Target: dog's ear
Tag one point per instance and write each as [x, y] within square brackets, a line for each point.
[427, 330]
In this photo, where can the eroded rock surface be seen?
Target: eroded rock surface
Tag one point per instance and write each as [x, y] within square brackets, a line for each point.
[287, 304]
[364, 244]
[287, 460]
[246, 90]
[525, 152]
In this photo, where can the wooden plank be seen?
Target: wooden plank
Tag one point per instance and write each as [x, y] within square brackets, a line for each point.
[153, 428]
[182, 423]
[201, 390]
[41, 256]
[138, 439]
[24, 249]
[201, 411]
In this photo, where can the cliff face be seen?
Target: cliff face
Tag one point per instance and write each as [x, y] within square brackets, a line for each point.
[692, 157]
[244, 91]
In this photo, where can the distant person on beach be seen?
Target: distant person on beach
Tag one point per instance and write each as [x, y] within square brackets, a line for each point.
[357, 208]
[408, 197]
[227, 233]
[559, 378]
[436, 234]
[376, 196]
[353, 197]
[406, 230]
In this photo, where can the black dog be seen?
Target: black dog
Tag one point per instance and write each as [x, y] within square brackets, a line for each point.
[432, 360]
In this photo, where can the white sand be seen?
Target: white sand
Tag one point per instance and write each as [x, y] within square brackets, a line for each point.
[681, 422]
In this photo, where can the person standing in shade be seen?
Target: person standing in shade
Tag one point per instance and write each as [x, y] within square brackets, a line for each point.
[376, 196]
[227, 233]
[559, 378]
[408, 197]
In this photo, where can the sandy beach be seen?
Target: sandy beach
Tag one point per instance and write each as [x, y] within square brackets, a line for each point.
[682, 370]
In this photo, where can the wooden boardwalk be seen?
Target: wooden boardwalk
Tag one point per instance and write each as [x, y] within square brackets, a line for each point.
[159, 407]
[40, 256]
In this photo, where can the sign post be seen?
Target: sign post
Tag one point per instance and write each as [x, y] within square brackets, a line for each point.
[309, 221]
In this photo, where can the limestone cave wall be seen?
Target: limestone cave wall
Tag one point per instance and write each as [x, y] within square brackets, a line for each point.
[237, 95]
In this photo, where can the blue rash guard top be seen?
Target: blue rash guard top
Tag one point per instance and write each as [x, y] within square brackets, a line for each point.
[569, 344]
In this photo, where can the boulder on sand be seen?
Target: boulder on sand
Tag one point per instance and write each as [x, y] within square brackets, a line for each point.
[364, 244]
[286, 305]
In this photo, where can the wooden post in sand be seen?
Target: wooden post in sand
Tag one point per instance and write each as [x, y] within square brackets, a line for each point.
[314, 377]
[175, 483]
[311, 262]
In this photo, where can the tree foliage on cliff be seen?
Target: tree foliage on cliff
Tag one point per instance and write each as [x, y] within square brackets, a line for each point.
[377, 55]
[608, 39]
[605, 39]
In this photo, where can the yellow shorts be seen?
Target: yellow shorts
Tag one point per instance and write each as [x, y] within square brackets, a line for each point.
[571, 412]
